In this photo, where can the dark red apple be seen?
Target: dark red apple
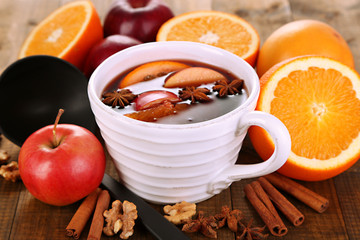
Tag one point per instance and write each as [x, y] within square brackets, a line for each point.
[61, 167]
[140, 19]
[105, 48]
[154, 98]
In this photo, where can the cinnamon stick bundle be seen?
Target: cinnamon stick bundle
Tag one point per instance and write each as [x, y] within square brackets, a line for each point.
[276, 227]
[310, 198]
[82, 215]
[97, 223]
[267, 202]
[287, 208]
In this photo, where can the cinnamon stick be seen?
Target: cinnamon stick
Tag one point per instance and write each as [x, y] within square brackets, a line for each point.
[282, 229]
[269, 219]
[82, 215]
[310, 198]
[97, 223]
[288, 209]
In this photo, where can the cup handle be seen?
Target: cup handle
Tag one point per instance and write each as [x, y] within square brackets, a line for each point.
[281, 138]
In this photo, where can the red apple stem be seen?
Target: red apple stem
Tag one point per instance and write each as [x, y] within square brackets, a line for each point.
[61, 111]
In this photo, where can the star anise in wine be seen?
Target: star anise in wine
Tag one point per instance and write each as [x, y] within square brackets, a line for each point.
[120, 98]
[225, 88]
[251, 233]
[195, 94]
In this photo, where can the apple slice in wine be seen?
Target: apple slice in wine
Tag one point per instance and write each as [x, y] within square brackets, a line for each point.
[194, 76]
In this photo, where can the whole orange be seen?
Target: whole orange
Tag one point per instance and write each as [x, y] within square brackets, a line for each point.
[303, 37]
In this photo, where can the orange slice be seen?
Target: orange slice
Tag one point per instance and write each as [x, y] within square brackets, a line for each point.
[219, 29]
[194, 76]
[68, 33]
[151, 70]
[318, 100]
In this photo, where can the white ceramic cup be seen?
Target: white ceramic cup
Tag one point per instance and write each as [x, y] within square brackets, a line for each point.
[169, 163]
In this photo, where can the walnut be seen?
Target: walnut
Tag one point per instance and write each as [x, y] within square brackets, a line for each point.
[4, 157]
[10, 171]
[111, 216]
[180, 212]
[128, 219]
[121, 216]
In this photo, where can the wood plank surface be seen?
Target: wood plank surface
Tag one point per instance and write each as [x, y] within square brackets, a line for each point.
[24, 217]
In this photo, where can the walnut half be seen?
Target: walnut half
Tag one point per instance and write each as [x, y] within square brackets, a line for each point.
[121, 216]
[10, 171]
[180, 212]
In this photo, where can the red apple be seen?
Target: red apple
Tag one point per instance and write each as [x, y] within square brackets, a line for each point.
[105, 48]
[154, 98]
[140, 19]
[63, 166]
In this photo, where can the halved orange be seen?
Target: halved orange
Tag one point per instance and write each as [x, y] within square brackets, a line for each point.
[219, 29]
[68, 33]
[151, 70]
[318, 100]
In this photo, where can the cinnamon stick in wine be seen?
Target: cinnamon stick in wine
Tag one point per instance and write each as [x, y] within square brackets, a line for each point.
[82, 215]
[97, 223]
[287, 208]
[276, 228]
[310, 198]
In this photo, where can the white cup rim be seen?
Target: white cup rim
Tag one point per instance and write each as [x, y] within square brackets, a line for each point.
[93, 94]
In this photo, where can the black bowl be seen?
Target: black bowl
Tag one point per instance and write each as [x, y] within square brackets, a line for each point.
[33, 89]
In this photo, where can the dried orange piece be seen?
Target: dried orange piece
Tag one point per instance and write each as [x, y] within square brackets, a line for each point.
[193, 76]
[152, 114]
[219, 29]
[68, 33]
[318, 100]
[151, 70]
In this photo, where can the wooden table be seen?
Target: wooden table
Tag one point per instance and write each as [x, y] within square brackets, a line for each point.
[24, 217]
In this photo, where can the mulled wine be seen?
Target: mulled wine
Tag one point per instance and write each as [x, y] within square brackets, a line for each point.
[174, 92]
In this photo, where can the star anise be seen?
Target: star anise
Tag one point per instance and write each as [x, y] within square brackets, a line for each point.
[224, 88]
[195, 94]
[121, 98]
[202, 224]
[230, 217]
[251, 233]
